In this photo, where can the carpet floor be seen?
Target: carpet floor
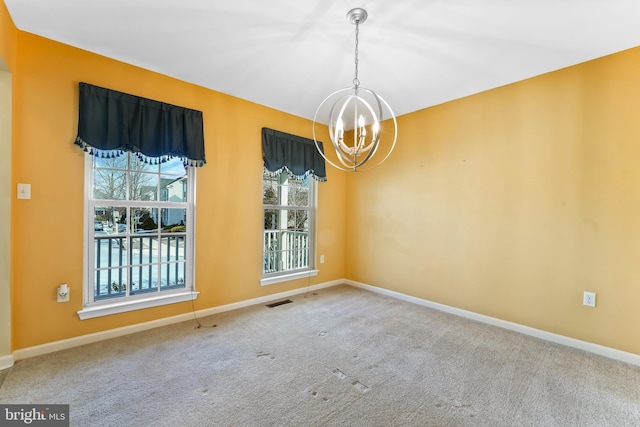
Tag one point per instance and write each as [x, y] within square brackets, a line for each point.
[339, 356]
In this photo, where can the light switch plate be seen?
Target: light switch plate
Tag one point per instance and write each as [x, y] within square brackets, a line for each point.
[24, 191]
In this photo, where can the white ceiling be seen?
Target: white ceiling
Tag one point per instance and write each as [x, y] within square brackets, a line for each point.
[290, 54]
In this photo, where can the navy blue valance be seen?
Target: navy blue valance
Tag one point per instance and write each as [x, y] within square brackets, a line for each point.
[111, 123]
[298, 156]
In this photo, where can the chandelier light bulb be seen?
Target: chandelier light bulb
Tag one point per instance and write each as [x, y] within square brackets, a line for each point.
[339, 130]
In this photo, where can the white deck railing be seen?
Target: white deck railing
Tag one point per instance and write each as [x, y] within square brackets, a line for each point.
[285, 250]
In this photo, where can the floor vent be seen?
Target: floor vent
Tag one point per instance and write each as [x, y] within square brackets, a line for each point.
[275, 304]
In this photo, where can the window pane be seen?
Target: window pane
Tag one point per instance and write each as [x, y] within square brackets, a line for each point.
[299, 258]
[144, 220]
[300, 240]
[143, 186]
[271, 219]
[297, 219]
[109, 251]
[304, 221]
[144, 249]
[100, 217]
[271, 240]
[144, 278]
[294, 259]
[270, 191]
[173, 189]
[172, 248]
[173, 220]
[173, 181]
[172, 275]
[109, 184]
[107, 218]
[271, 262]
[110, 283]
[291, 219]
[298, 193]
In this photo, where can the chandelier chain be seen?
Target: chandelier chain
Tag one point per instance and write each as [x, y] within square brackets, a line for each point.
[356, 82]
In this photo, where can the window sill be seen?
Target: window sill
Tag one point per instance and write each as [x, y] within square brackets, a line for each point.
[125, 306]
[287, 277]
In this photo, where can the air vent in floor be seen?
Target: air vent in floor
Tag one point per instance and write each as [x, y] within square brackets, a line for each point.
[275, 304]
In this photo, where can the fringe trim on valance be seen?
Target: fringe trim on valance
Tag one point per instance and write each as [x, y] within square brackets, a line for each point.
[110, 154]
[291, 175]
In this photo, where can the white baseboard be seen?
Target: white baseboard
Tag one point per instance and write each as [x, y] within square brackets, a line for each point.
[6, 362]
[126, 330]
[267, 298]
[611, 353]
[631, 358]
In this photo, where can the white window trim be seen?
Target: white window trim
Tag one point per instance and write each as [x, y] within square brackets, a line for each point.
[130, 305]
[285, 276]
[92, 309]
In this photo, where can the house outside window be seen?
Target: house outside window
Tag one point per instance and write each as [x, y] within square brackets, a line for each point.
[140, 233]
[288, 234]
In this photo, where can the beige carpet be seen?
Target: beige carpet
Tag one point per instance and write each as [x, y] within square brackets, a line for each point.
[338, 357]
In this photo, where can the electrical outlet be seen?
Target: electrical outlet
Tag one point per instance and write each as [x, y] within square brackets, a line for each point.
[321, 259]
[589, 299]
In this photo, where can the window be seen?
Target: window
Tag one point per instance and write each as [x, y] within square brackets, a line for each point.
[140, 234]
[288, 236]
[140, 199]
[291, 164]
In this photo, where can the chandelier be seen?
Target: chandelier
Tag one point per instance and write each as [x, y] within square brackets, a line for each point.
[356, 116]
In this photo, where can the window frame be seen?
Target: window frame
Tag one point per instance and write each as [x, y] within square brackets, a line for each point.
[298, 273]
[96, 308]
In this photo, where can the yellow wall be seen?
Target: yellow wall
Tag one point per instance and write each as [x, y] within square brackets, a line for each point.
[512, 202]
[48, 232]
[508, 203]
